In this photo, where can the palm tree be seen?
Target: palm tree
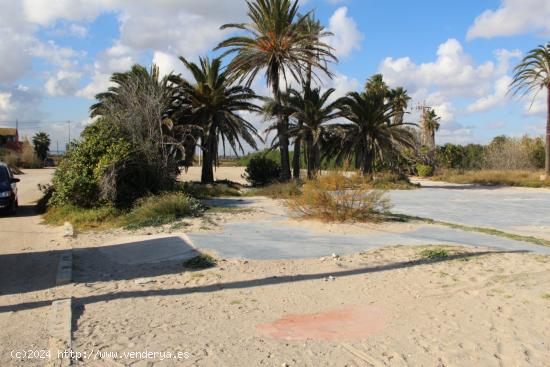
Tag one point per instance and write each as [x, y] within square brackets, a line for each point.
[377, 88]
[430, 124]
[370, 134]
[399, 100]
[212, 103]
[533, 74]
[41, 143]
[312, 111]
[276, 42]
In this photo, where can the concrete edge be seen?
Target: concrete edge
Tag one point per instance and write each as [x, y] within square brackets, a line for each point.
[60, 333]
[64, 273]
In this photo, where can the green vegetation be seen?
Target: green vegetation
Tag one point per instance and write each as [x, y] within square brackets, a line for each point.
[41, 143]
[546, 296]
[262, 171]
[202, 261]
[162, 209]
[424, 170]
[151, 211]
[436, 253]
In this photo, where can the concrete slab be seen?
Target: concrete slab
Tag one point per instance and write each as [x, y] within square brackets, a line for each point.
[272, 239]
[135, 250]
[64, 268]
[504, 209]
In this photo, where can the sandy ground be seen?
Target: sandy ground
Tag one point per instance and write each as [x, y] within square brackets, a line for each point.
[28, 262]
[220, 173]
[381, 308]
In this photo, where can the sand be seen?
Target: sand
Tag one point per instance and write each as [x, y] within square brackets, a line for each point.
[382, 308]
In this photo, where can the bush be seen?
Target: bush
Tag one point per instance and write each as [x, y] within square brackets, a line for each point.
[42, 203]
[436, 253]
[424, 170]
[262, 171]
[202, 261]
[337, 197]
[162, 209]
[78, 176]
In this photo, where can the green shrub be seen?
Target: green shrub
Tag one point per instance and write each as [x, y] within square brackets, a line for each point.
[424, 170]
[435, 253]
[162, 209]
[78, 176]
[84, 218]
[202, 261]
[262, 171]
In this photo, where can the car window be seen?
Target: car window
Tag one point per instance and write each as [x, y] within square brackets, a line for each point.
[4, 175]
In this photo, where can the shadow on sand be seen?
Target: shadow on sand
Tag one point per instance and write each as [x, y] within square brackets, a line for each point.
[81, 302]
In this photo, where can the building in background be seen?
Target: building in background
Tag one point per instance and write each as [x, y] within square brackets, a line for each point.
[9, 138]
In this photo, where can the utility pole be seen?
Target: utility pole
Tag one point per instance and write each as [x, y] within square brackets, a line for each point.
[69, 122]
[57, 147]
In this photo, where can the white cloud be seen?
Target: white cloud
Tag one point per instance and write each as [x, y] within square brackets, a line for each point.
[498, 98]
[453, 76]
[346, 35]
[20, 102]
[63, 83]
[511, 18]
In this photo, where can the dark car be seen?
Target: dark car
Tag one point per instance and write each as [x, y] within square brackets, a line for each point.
[8, 190]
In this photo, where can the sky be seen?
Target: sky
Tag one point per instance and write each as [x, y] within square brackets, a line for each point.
[455, 56]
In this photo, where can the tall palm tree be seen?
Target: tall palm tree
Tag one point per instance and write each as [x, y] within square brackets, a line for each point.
[214, 104]
[370, 133]
[41, 143]
[311, 110]
[275, 42]
[533, 74]
[377, 88]
[399, 100]
[431, 122]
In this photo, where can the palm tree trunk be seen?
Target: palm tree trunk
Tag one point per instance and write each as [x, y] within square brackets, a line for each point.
[209, 154]
[310, 159]
[282, 132]
[367, 162]
[547, 159]
[296, 158]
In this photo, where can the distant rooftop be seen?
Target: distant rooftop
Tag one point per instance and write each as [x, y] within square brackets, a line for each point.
[8, 131]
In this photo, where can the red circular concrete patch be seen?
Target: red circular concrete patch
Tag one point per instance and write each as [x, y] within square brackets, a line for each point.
[349, 323]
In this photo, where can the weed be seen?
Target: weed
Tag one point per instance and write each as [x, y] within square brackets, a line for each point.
[546, 296]
[435, 253]
[162, 209]
[202, 261]
[335, 197]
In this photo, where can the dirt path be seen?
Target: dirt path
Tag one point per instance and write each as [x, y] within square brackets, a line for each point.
[28, 263]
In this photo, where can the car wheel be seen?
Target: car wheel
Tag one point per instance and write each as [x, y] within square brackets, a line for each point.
[14, 206]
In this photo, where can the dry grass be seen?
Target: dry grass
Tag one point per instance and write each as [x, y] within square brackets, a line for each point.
[336, 197]
[523, 178]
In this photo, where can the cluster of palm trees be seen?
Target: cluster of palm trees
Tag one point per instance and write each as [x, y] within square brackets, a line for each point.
[289, 51]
